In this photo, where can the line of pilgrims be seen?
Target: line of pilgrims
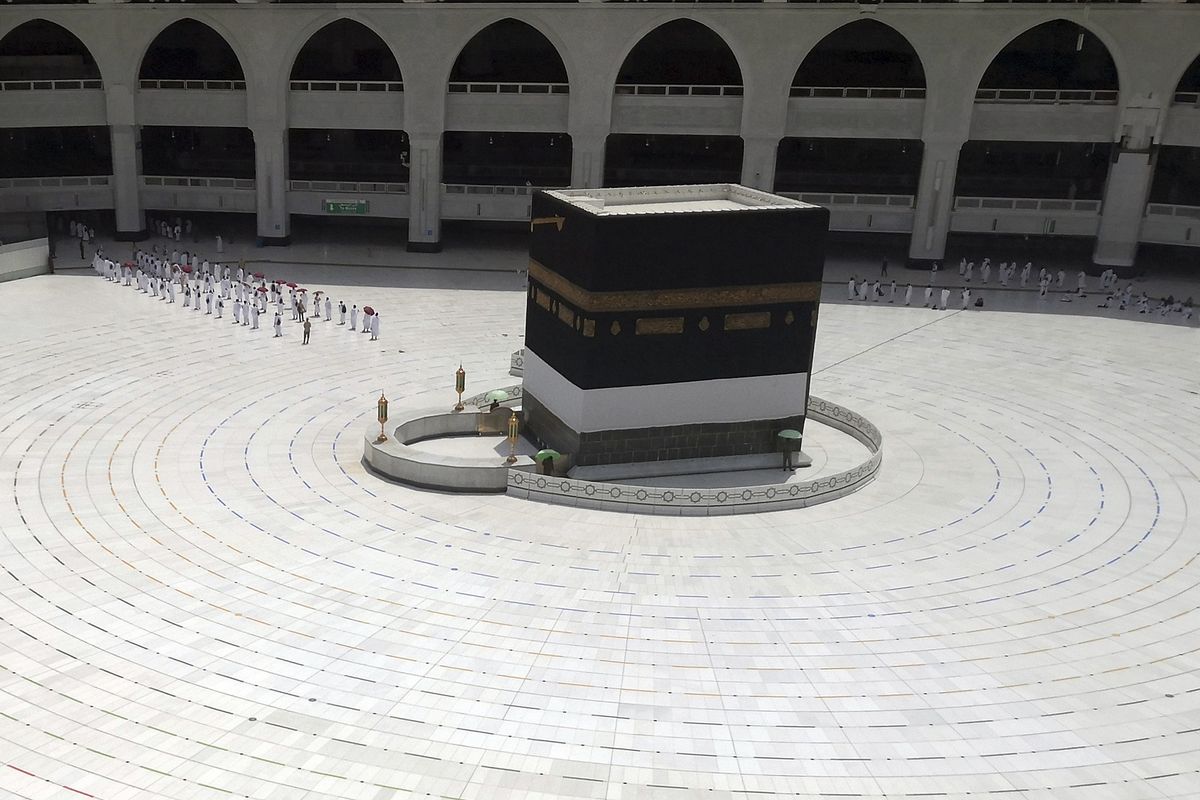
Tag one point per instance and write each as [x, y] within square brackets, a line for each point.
[1007, 272]
[215, 287]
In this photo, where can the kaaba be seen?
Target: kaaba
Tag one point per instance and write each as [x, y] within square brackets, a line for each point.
[670, 322]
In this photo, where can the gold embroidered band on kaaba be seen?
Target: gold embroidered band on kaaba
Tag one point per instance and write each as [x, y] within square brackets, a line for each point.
[653, 300]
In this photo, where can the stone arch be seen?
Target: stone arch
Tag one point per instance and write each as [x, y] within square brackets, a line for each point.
[1189, 80]
[470, 64]
[381, 64]
[62, 55]
[1081, 59]
[865, 52]
[685, 41]
[169, 57]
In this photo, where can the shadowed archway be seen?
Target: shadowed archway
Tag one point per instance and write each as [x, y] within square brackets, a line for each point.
[681, 52]
[43, 50]
[345, 50]
[509, 51]
[862, 53]
[1054, 55]
[190, 50]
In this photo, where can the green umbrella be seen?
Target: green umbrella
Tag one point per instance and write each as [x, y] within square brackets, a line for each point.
[496, 396]
[789, 433]
[545, 455]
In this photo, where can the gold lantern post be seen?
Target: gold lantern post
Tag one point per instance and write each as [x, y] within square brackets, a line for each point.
[382, 415]
[513, 426]
[460, 386]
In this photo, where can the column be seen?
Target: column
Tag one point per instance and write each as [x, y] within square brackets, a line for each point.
[934, 202]
[1125, 194]
[587, 158]
[758, 162]
[424, 193]
[270, 183]
[126, 142]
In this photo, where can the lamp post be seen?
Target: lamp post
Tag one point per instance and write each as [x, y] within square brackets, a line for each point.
[460, 386]
[513, 426]
[382, 415]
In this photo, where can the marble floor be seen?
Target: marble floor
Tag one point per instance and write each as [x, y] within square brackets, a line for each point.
[203, 593]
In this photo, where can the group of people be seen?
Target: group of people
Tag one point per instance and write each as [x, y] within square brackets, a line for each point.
[83, 232]
[214, 288]
[867, 290]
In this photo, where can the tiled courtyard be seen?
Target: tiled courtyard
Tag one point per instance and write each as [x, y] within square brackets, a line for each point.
[204, 594]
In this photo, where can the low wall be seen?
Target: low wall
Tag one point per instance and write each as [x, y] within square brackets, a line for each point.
[716, 502]
[396, 460]
[23, 259]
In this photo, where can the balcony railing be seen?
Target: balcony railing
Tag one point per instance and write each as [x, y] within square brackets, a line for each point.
[188, 182]
[679, 89]
[458, 87]
[891, 93]
[209, 86]
[1025, 204]
[489, 189]
[1102, 97]
[42, 86]
[346, 86]
[1168, 210]
[897, 201]
[1187, 98]
[348, 186]
[67, 182]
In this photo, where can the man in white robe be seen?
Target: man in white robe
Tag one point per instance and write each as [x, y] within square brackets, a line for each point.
[375, 326]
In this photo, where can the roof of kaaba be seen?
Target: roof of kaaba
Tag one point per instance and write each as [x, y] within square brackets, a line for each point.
[706, 197]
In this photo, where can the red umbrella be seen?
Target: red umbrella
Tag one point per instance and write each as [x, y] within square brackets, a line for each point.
[302, 290]
[188, 270]
[292, 285]
[262, 290]
[370, 312]
[259, 275]
[130, 264]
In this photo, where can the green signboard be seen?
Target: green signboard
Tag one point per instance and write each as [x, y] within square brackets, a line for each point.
[347, 207]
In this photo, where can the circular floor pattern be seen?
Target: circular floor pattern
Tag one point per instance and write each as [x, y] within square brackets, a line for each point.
[205, 595]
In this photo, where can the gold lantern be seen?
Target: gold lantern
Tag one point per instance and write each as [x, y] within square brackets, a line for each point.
[382, 415]
[513, 426]
[460, 386]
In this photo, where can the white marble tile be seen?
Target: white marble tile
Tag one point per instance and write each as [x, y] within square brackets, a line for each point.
[204, 594]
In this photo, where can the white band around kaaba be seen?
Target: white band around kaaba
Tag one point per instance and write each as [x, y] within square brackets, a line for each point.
[661, 404]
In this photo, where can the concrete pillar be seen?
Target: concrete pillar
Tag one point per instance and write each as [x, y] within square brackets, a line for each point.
[1125, 193]
[934, 202]
[587, 159]
[758, 162]
[270, 182]
[126, 145]
[127, 179]
[424, 193]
